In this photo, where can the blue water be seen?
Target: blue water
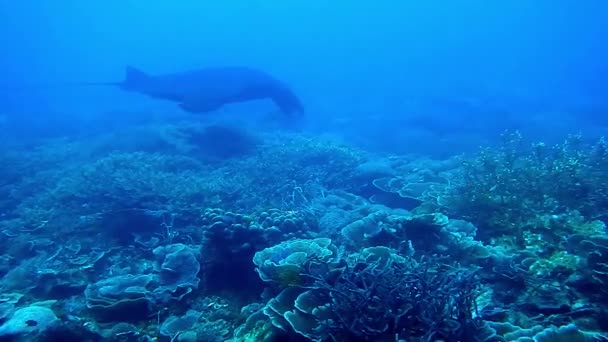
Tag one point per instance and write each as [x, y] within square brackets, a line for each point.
[538, 65]
[389, 88]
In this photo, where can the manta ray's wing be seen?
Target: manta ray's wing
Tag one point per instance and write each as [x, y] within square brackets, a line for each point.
[136, 80]
[203, 94]
[200, 103]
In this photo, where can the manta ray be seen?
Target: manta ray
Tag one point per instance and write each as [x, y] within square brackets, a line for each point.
[206, 90]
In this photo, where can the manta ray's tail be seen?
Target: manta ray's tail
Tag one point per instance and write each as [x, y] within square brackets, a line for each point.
[134, 79]
[90, 84]
[43, 86]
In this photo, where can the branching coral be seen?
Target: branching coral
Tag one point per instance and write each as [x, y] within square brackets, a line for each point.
[377, 293]
[508, 187]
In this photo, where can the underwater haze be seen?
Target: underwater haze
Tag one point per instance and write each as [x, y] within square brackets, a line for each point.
[429, 68]
[294, 170]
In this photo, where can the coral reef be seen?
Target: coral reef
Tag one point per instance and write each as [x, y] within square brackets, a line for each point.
[164, 236]
[508, 188]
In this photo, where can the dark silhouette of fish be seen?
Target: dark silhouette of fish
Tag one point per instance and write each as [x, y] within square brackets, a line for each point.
[206, 90]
